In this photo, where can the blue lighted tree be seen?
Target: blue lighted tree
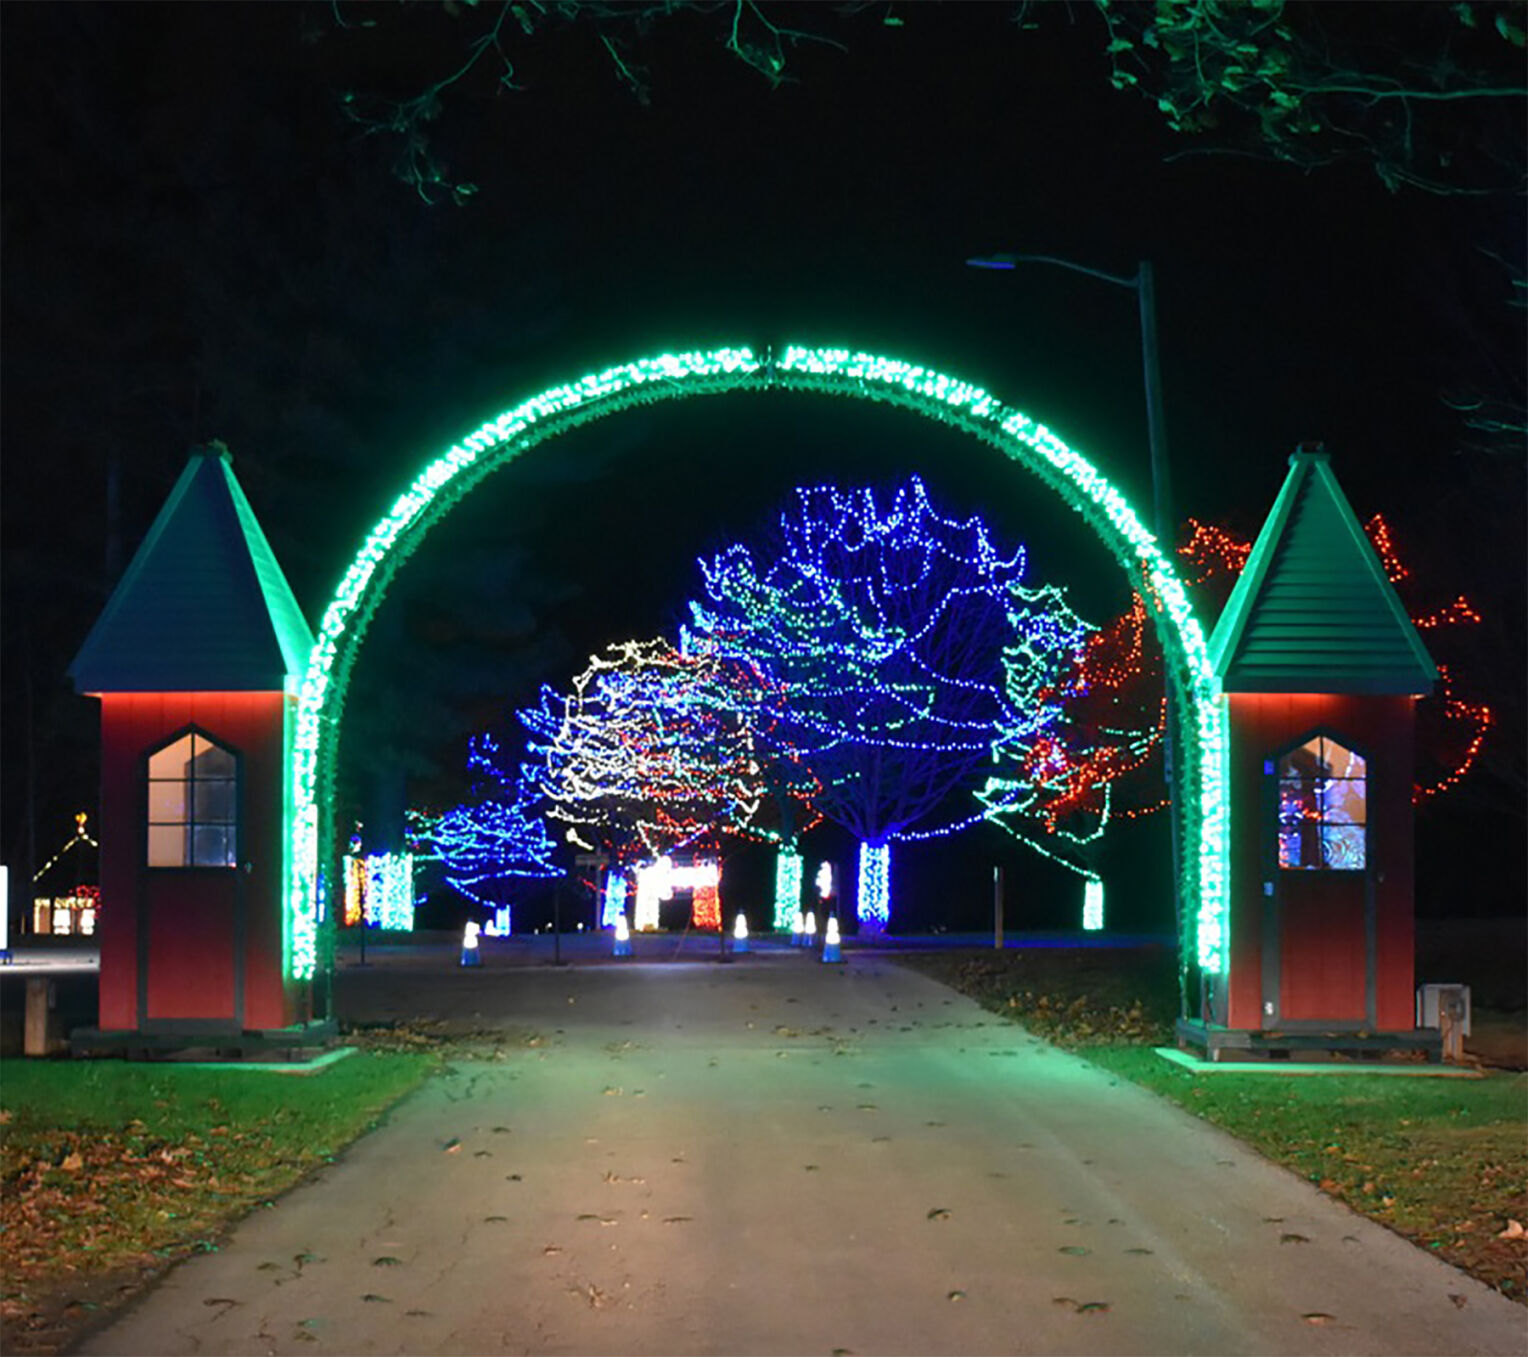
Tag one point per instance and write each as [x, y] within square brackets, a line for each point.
[498, 838]
[885, 627]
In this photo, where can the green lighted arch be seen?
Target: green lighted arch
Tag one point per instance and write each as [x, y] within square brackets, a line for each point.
[1199, 721]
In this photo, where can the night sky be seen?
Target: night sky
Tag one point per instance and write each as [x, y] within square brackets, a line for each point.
[200, 244]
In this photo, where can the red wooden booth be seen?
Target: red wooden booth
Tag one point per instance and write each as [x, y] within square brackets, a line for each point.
[1321, 668]
[196, 660]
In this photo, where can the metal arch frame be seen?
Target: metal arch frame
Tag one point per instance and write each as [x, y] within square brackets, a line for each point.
[1199, 711]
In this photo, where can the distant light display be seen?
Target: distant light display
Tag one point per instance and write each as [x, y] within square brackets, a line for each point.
[658, 880]
[873, 901]
[615, 897]
[827, 886]
[379, 890]
[787, 887]
[1093, 905]
[829, 371]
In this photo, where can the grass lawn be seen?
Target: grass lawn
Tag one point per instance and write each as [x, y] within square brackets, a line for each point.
[1442, 1161]
[112, 1171]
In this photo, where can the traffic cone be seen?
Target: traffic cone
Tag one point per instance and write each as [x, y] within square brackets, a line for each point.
[796, 927]
[740, 934]
[830, 947]
[809, 929]
[622, 936]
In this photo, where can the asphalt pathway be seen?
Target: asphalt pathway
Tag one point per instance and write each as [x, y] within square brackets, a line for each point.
[780, 1156]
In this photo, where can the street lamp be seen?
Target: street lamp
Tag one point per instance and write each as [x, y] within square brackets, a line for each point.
[1143, 284]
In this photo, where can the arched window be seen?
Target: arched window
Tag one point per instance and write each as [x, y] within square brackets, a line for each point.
[1323, 804]
[193, 804]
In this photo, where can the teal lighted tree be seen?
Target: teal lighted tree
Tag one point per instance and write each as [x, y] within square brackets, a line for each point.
[885, 628]
[1058, 788]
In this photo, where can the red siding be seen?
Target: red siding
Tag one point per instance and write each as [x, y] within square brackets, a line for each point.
[189, 914]
[1261, 725]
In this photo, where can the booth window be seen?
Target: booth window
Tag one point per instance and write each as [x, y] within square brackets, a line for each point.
[193, 800]
[1322, 807]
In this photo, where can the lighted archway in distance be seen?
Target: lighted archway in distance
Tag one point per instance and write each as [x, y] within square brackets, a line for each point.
[1198, 735]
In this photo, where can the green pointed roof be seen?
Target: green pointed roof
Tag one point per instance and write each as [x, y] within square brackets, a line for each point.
[1312, 611]
[203, 606]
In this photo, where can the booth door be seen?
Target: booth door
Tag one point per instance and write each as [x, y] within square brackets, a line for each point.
[1325, 972]
[192, 951]
[1322, 920]
[191, 914]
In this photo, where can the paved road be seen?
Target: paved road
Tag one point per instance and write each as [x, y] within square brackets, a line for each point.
[783, 1157]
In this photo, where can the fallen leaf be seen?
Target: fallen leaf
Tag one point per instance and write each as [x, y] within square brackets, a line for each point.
[1514, 1230]
[1093, 1307]
[1459, 1301]
[1293, 1239]
[956, 1295]
[387, 1260]
[222, 1300]
[376, 1299]
[939, 1213]
[677, 1220]
[1075, 1250]
[1317, 1317]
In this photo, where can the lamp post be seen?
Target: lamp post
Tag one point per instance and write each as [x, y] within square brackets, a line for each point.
[1143, 284]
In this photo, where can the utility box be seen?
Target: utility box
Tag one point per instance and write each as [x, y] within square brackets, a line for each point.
[1439, 1003]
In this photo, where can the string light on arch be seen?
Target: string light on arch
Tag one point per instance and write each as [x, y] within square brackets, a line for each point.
[832, 371]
